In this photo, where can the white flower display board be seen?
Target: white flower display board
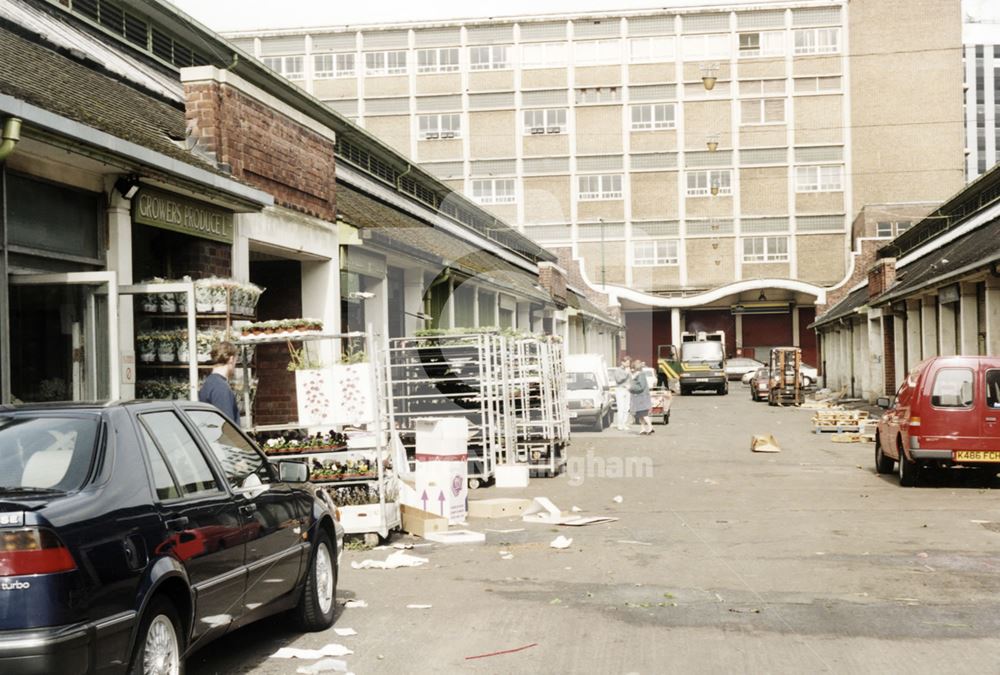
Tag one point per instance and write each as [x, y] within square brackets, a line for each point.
[340, 394]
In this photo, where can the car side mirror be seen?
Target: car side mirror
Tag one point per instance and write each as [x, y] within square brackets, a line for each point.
[292, 472]
[883, 402]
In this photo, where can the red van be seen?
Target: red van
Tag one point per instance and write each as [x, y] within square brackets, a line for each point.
[946, 413]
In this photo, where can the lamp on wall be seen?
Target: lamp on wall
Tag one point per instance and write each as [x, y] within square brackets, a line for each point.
[712, 141]
[127, 186]
[361, 295]
[709, 75]
[762, 297]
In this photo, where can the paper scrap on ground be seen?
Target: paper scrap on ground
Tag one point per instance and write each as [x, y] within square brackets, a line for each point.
[456, 537]
[764, 443]
[633, 541]
[332, 649]
[561, 542]
[351, 604]
[516, 529]
[618, 499]
[419, 606]
[576, 509]
[324, 666]
[345, 632]
[394, 560]
[542, 510]
[509, 556]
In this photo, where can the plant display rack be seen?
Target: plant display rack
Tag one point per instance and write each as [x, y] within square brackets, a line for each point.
[449, 375]
[369, 499]
[541, 421]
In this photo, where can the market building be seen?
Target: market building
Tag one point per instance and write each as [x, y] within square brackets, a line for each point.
[140, 147]
[703, 167]
[934, 290]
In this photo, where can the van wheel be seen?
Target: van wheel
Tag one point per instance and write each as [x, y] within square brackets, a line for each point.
[317, 604]
[883, 464]
[908, 471]
[160, 641]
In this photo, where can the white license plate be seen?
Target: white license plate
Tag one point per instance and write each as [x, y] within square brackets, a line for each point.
[992, 456]
[573, 415]
[701, 379]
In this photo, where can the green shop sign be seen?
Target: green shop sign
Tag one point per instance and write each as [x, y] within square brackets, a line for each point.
[172, 212]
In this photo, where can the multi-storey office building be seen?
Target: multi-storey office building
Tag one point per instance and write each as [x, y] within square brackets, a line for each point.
[703, 164]
[981, 45]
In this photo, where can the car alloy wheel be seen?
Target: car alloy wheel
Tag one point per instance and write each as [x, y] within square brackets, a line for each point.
[324, 578]
[161, 651]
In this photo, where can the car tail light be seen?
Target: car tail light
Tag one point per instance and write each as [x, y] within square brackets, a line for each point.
[33, 551]
[336, 514]
[914, 421]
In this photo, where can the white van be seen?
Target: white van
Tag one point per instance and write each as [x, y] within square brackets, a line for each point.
[588, 391]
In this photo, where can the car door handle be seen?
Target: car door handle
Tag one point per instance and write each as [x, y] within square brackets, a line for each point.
[991, 419]
[248, 508]
[177, 524]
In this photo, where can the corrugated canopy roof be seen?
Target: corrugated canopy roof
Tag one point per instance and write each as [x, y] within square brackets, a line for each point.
[406, 234]
[854, 300]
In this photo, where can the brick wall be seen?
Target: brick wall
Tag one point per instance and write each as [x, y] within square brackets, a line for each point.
[552, 280]
[889, 352]
[881, 277]
[863, 261]
[262, 147]
[276, 401]
[171, 255]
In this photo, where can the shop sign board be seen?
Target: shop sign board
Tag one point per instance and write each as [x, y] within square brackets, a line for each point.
[157, 208]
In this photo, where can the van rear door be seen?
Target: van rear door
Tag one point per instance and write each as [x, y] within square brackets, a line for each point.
[953, 417]
[991, 409]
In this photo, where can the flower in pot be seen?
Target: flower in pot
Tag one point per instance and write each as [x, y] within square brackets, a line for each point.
[203, 296]
[183, 351]
[205, 340]
[166, 347]
[168, 303]
[220, 296]
[146, 345]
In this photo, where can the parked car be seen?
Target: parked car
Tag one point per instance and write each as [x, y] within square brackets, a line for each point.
[134, 533]
[760, 384]
[588, 391]
[748, 376]
[740, 366]
[809, 375]
[945, 413]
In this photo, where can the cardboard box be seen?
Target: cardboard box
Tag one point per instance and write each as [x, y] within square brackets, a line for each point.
[421, 523]
[511, 476]
[497, 508]
[442, 471]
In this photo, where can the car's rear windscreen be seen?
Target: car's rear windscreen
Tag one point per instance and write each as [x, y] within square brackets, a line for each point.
[46, 453]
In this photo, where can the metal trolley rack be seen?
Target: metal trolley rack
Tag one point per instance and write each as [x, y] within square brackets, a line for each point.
[453, 375]
[538, 382]
[374, 519]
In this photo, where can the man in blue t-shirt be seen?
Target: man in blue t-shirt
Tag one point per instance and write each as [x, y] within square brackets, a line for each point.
[216, 388]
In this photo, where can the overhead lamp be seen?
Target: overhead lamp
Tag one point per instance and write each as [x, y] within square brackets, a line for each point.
[714, 189]
[127, 186]
[361, 295]
[762, 297]
[709, 75]
[712, 141]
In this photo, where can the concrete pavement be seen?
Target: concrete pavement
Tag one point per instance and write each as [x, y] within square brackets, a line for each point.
[721, 561]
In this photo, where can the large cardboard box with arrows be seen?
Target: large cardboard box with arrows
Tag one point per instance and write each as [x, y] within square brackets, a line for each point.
[441, 477]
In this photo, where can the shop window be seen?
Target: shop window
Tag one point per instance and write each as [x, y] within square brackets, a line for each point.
[53, 218]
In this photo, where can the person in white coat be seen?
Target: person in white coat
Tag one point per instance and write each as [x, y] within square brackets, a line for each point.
[622, 375]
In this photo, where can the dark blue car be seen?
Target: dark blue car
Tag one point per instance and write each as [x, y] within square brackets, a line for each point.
[132, 534]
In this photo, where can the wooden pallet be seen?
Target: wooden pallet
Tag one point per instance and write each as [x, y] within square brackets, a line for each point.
[846, 438]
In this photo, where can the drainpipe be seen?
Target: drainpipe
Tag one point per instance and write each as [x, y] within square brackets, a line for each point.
[11, 135]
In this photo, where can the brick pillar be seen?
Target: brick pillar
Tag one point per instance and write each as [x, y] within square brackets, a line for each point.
[888, 352]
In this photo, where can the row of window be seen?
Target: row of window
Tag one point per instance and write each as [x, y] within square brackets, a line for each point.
[711, 182]
[557, 54]
[663, 252]
[644, 117]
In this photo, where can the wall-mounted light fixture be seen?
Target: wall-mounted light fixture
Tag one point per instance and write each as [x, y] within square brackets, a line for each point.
[712, 141]
[361, 295]
[127, 186]
[709, 75]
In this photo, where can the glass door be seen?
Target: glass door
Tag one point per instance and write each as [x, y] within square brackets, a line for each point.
[63, 337]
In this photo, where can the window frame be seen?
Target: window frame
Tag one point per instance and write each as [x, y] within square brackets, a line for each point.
[335, 71]
[762, 51]
[439, 132]
[991, 402]
[653, 124]
[613, 47]
[158, 447]
[819, 182]
[658, 258]
[652, 55]
[704, 52]
[492, 197]
[601, 187]
[492, 63]
[560, 60]
[766, 255]
[385, 69]
[725, 187]
[549, 126]
[812, 44]
[283, 68]
[437, 66]
[264, 464]
[762, 105]
[934, 383]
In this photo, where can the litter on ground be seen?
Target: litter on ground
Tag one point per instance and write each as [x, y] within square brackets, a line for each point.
[561, 542]
[332, 649]
[394, 560]
[345, 632]
[351, 604]
[324, 666]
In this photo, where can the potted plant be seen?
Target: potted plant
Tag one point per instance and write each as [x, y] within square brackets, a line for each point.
[183, 351]
[146, 345]
[205, 340]
[166, 347]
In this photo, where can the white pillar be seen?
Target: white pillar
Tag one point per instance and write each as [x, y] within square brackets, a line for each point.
[914, 353]
[795, 326]
[899, 338]
[675, 327]
[739, 333]
[946, 329]
[120, 261]
[993, 316]
[876, 356]
[969, 320]
[413, 300]
[929, 326]
[523, 316]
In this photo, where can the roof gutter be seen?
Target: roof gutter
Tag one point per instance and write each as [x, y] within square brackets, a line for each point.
[134, 152]
[11, 135]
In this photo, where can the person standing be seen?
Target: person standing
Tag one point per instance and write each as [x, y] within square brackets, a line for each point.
[216, 389]
[622, 374]
[641, 400]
